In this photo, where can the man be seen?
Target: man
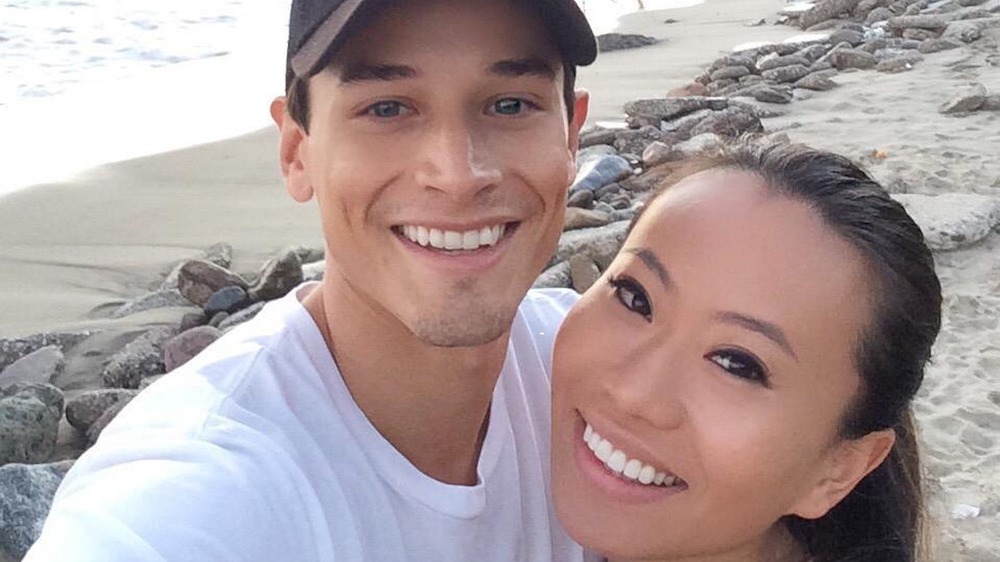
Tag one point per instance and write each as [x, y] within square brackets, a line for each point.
[399, 410]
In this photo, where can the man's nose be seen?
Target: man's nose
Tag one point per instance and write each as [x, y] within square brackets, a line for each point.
[458, 159]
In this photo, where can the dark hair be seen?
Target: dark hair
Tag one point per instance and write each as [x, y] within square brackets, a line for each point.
[298, 96]
[882, 519]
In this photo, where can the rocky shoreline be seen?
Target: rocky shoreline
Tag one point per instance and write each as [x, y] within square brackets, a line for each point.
[46, 424]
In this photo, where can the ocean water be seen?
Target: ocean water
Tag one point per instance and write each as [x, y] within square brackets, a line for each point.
[84, 82]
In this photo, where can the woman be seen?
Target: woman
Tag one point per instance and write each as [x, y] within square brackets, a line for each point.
[738, 386]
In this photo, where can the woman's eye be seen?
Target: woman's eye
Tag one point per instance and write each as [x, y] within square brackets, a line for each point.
[386, 109]
[740, 364]
[632, 295]
[509, 106]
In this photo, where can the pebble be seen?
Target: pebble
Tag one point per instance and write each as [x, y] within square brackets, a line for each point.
[199, 280]
[141, 358]
[85, 409]
[40, 366]
[279, 275]
[181, 348]
[29, 422]
[26, 493]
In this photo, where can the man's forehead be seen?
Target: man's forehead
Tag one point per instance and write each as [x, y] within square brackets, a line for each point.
[361, 71]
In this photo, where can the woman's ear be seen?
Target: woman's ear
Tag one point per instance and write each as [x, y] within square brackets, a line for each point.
[849, 462]
[291, 145]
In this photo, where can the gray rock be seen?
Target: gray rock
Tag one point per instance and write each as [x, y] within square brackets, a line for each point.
[96, 428]
[855, 38]
[842, 59]
[218, 318]
[658, 153]
[969, 100]
[610, 189]
[181, 348]
[586, 155]
[240, 317]
[889, 53]
[816, 81]
[786, 74]
[599, 172]
[825, 10]
[970, 30]
[597, 136]
[864, 7]
[632, 141]
[700, 144]
[12, 349]
[220, 253]
[583, 272]
[767, 93]
[730, 73]
[720, 88]
[199, 279]
[991, 103]
[731, 122]
[920, 35]
[751, 79]
[161, 298]
[29, 422]
[26, 493]
[901, 63]
[313, 271]
[581, 199]
[620, 41]
[877, 15]
[646, 181]
[85, 409]
[227, 299]
[670, 108]
[681, 127]
[814, 52]
[555, 276]
[732, 60]
[193, 320]
[875, 44]
[600, 244]
[40, 366]
[927, 21]
[773, 61]
[937, 45]
[142, 357]
[279, 275]
[952, 220]
[584, 218]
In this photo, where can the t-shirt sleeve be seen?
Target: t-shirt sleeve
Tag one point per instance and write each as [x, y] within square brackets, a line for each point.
[544, 311]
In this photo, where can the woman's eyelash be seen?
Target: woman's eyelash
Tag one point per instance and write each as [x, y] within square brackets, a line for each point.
[741, 364]
[632, 296]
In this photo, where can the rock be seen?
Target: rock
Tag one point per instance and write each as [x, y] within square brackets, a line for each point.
[26, 493]
[753, 109]
[307, 254]
[583, 218]
[952, 220]
[969, 100]
[901, 63]
[601, 244]
[648, 180]
[877, 15]
[581, 199]
[732, 60]
[240, 317]
[825, 10]
[29, 422]
[816, 81]
[193, 320]
[843, 59]
[587, 155]
[141, 358]
[40, 366]
[730, 73]
[991, 103]
[620, 41]
[681, 127]
[751, 79]
[931, 21]
[720, 88]
[693, 89]
[786, 74]
[774, 61]
[970, 30]
[148, 381]
[670, 108]
[220, 253]
[96, 428]
[920, 35]
[937, 45]
[161, 298]
[583, 272]
[658, 153]
[312, 271]
[700, 144]
[635, 142]
[855, 38]
[199, 279]
[85, 409]
[227, 299]
[731, 122]
[555, 276]
[608, 190]
[179, 349]
[814, 52]
[279, 275]
[767, 93]
[597, 136]
[600, 172]
[12, 349]
[218, 318]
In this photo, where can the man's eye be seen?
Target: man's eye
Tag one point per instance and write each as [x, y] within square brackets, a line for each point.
[632, 296]
[509, 106]
[740, 364]
[386, 109]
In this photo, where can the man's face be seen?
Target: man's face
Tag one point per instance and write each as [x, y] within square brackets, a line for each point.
[439, 153]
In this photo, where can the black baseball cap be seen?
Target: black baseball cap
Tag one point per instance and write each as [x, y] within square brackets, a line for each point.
[317, 28]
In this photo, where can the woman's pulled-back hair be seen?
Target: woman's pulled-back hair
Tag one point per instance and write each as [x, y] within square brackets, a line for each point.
[882, 519]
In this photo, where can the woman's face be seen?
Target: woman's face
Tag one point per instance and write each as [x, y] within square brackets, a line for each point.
[699, 385]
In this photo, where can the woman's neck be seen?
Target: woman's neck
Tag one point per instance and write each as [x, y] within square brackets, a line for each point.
[777, 545]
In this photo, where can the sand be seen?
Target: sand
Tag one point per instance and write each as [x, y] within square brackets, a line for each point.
[71, 250]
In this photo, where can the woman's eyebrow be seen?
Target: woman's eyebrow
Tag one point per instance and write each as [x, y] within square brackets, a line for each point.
[652, 262]
[766, 329]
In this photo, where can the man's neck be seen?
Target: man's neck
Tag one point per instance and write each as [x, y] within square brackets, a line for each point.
[430, 403]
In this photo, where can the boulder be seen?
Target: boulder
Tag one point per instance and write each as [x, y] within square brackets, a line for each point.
[920, 35]
[311, 272]
[26, 493]
[278, 276]
[85, 409]
[924, 21]
[40, 366]
[670, 108]
[181, 348]
[597, 136]
[102, 422]
[732, 59]
[161, 298]
[825, 10]
[854, 38]
[648, 180]
[730, 73]
[767, 93]
[12, 349]
[632, 141]
[816, 81]
[969, 100]
[583, 272]
[772, 61]
[584, 218]
[199, 280]
[29, 422]
[842, 59]
[555, 276]
[700, 144]
[786, 74]
[991, 103]
[658, 153]
[220, 253]
[142, 357]
[581, 199]
[601, 244]
[878, 15]
[937, 45]
[952, 220]
[229, 299]
[620, 41]
[900, 63]
[601, 171]
[813, 53]
[731, 122]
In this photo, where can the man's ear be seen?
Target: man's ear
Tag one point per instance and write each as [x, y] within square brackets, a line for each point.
[849, 462]
[581, 107]
[291, 147]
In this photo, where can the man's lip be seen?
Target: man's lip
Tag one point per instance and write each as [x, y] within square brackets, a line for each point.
[453, 226]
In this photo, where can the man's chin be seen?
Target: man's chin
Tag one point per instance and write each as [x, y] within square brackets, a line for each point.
[475, 329]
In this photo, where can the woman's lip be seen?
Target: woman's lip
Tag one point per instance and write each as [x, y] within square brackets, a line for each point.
[623, 440]
[620, 490]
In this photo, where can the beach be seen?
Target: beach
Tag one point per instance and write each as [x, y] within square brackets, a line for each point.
[76, 249]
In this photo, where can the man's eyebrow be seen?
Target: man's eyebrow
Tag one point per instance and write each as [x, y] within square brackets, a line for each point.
[767, 329]
[381, 72]
[516, 68]
[653, 263]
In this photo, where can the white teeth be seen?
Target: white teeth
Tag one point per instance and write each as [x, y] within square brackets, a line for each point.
[618, 462]
[452, 240]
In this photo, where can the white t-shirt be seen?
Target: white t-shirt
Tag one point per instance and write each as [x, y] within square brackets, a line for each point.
[255, 451]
